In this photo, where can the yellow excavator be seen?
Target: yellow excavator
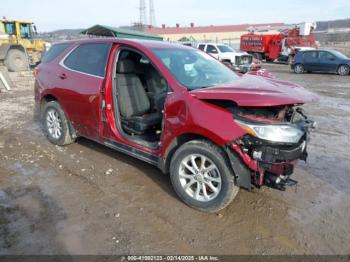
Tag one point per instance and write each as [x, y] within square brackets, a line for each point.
[19, 46]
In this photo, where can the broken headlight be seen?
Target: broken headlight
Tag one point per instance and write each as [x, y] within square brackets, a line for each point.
[280, 133]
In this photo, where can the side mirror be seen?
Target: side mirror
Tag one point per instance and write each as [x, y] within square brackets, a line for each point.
[35, 30]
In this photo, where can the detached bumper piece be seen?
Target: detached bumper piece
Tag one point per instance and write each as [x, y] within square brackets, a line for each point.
[279, 182]
[275, 162]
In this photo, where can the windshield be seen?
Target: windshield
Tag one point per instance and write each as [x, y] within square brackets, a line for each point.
[225, 49]
[339, 55]
[195, 69]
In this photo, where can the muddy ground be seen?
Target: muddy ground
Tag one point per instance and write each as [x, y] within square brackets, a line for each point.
[87, 199]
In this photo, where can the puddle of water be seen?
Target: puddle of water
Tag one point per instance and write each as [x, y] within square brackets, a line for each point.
[25, 171]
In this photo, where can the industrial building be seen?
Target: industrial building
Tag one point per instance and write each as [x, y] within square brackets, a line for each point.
[229, 34]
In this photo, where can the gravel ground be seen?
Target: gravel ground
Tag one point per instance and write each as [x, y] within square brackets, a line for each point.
[87, 199]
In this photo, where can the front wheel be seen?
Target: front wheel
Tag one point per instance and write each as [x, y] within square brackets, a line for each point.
[343, 70]
[201, 178]
[299, 69]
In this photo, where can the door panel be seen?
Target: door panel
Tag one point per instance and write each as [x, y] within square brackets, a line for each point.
[311, 61]
[328, 62]
[80, 100]
[79, 79]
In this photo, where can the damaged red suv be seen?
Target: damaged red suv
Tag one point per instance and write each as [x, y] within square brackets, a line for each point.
[179, 109]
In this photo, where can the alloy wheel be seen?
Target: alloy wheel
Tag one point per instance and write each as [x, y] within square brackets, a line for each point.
[200, 178]
[54, 124]
[343, 70]
[299, 69]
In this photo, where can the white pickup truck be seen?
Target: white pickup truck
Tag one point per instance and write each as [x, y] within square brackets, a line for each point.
[239, 61]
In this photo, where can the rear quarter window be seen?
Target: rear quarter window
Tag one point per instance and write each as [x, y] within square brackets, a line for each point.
[53, 52]
[89, 58]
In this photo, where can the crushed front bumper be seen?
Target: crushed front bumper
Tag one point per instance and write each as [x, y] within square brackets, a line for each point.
[272, 163]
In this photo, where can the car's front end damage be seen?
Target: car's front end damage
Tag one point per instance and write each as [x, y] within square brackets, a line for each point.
[271, 131]
[276, 139]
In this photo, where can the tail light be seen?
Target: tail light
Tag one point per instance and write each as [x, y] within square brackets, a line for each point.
[35, 71]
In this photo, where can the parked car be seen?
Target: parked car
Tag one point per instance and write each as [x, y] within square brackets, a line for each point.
[330, 61]
[237, 60]
[179, 109]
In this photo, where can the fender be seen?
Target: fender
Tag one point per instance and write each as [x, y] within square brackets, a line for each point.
[4, 48]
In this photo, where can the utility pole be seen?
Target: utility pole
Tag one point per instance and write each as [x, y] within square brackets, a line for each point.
[152, 13]
[142, 12]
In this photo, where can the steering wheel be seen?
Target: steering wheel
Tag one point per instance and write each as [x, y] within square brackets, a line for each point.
[199, 79]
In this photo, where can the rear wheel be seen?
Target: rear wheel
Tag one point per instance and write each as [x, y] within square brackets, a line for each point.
[343, 70]
[201, 177]
[55, 124]
[16, 60]
[299, 69]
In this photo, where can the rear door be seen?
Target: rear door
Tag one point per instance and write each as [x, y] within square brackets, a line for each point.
[80, 78]
[328, 62]
[311, 61]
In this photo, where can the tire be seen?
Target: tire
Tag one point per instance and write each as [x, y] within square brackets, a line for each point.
[220, 177]
[56, 125]
[299, 69]
[16, 60]
[343, 70]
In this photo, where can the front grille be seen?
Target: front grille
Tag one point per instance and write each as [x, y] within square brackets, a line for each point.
[244, 60]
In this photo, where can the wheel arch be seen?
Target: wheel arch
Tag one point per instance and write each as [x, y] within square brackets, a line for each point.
[175, 144]
[237, 166]
[46, 99]
[49, 98]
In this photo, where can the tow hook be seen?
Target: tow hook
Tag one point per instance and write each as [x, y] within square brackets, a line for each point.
[279, 182]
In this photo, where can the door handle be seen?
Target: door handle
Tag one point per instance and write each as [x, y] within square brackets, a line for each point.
[62, 76]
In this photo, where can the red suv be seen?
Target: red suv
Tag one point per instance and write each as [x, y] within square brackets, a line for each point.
[179, 109]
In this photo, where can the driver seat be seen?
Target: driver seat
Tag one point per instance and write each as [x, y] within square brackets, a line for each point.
[134, 103]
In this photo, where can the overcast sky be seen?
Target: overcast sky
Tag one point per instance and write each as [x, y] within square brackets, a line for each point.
[59, 14]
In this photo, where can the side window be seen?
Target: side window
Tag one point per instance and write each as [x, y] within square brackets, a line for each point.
[212, 49]
[325, 56]
[89, 58]
[25, 30]
[309, 56]
[10, 28]
[201, 47]
[54, 52]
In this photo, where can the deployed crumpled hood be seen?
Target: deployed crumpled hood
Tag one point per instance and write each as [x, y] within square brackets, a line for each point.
[252, 90]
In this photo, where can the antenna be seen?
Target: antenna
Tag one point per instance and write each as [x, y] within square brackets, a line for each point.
[142, 12]
[152, 13]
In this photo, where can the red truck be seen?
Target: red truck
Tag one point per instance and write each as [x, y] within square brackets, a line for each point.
[179, 109]
[281, 46]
